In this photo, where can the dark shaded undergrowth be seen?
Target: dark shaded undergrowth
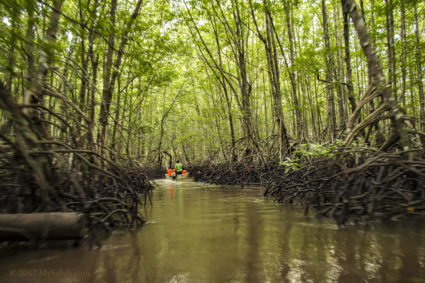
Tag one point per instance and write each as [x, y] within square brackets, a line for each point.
[347, 187]
[61, 169]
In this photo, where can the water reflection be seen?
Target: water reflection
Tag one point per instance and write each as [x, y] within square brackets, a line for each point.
[201, 233]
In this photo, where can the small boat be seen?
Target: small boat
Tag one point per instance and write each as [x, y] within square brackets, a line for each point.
[179, 177]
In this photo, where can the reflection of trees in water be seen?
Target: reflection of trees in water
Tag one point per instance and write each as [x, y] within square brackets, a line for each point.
[222, 235]
[254, 231]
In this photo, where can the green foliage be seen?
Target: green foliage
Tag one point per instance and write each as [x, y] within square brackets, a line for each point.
[307, 152]
[291, 164]
[165, 57]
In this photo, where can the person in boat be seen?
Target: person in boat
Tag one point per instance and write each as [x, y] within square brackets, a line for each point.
[179, 169]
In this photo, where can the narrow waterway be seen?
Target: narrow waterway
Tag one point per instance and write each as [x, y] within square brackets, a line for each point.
[199, 233]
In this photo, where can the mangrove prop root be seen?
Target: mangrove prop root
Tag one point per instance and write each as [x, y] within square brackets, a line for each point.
[383, 186]
[44, 173]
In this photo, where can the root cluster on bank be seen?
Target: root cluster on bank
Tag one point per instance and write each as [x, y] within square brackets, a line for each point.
[347, 187]
[45, 169]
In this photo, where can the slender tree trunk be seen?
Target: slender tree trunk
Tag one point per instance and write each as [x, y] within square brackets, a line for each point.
[117, 118]
[403, 53]
[348, 72]
[33, 94]
[314, 123]
[91, 93]
[419, 71]
[244, 85]
[378, 88]
[107, 68]
[338, 71]
[29, 47]
[94, 64]
[130, 129]
[266, 115]
[274, 76]
[283, 135]
[226, 94]
[319, 116]
[84, 61]
[11, 57]
[85, 73]
[92, 104]
[329, 66]
[107, 93]
[392, 81]
[292, 74]
[218, 69]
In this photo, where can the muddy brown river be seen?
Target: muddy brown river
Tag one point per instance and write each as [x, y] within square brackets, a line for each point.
[202, 233]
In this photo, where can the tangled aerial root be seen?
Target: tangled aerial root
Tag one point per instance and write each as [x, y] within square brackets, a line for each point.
[385, 187]
[382, 186]
[42, 172]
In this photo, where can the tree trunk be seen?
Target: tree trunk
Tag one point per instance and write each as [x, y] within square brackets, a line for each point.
[348, 72]
[403, 53]
[42, 226]
[226, 95]
[274, 76]
[329, 66]
[11, 57]
[292, 74]
[29, 48]
[378, 87]
[104, 106]
[244, 85]
[109, 87]
[338, 72]
[419, 71]
[390, 46]
[117, 118]
[277, 95]
[33, 94]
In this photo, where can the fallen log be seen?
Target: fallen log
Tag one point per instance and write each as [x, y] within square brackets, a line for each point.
[42, 226]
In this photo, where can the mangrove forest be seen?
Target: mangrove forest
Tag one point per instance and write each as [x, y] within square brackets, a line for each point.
[319, 103]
